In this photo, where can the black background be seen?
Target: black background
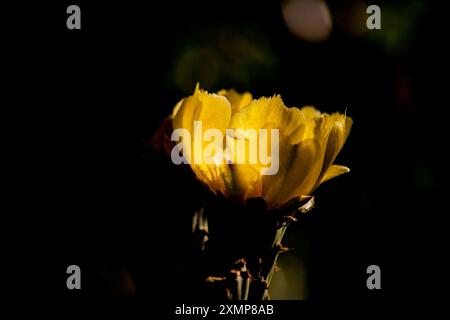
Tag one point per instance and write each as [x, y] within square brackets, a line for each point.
[90, 192]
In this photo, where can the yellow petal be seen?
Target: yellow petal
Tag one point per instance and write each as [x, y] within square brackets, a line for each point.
[176, 108]
[338, 127]
[309, 112]
[299, 167]
[214, 112]
[237, 100]
[245, 178]
[334, 171]
[212, 109]
[237, 182]
[300, 152]
[270, 113]
[300, 171]
[246, 182]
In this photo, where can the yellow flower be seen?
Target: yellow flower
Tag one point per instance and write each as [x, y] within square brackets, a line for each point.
[308, 144]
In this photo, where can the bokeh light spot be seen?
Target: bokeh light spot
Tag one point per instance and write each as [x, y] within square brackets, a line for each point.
[309, 20]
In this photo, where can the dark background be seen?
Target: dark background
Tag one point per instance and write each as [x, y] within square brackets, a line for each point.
[93, 193]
